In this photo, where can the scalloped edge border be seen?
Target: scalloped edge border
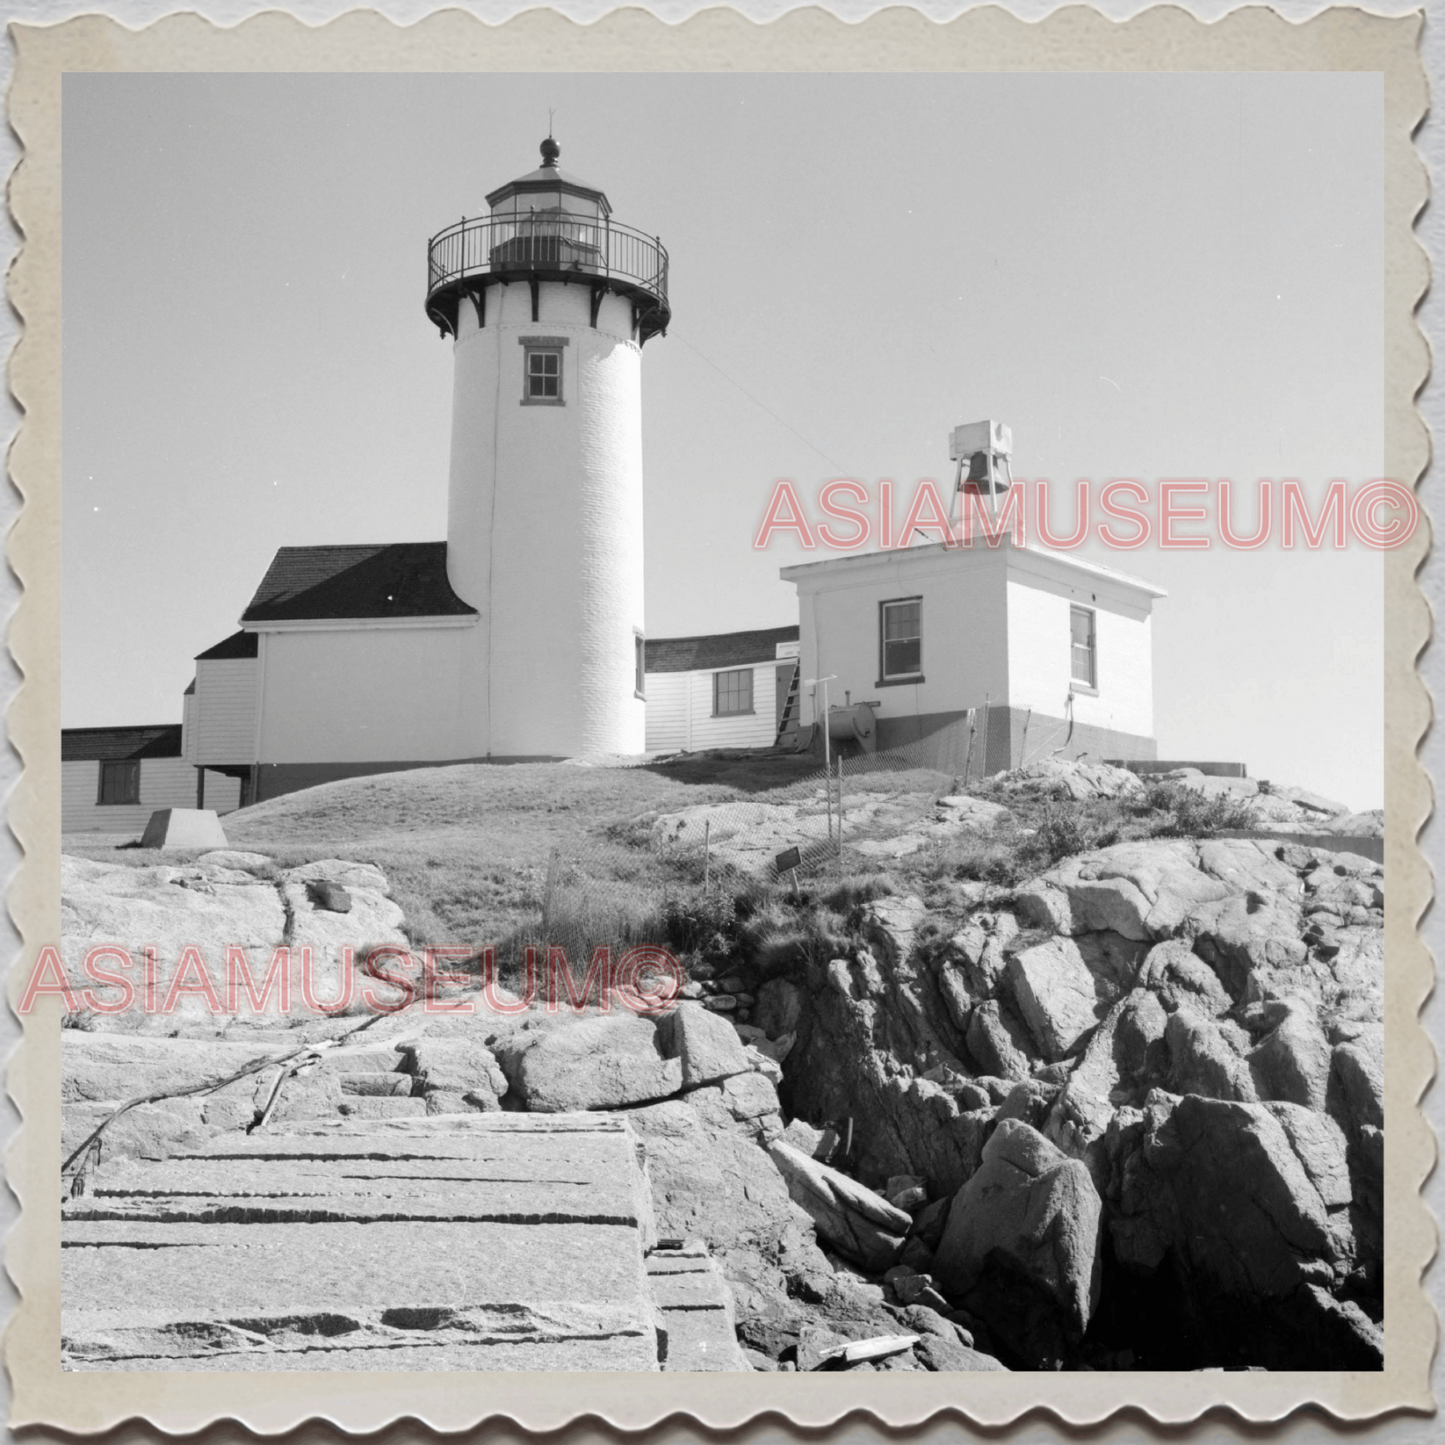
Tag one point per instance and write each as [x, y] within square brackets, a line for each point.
[1076, 38]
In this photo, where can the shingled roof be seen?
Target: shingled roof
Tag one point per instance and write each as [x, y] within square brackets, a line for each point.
[718, 649]
[80, 745]
[238, 644]
[402, 579]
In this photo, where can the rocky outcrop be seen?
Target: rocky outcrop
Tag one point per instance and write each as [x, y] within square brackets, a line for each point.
[1021, 1246]
[1242, 977]
[554, 1065]
[1127, 1115]
[205, 921]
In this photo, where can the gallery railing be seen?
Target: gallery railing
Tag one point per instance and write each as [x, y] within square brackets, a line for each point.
[500, 245]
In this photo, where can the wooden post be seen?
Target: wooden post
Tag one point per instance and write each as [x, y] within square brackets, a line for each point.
[706, 853]
[547, 898]
[968, 760]
[840, 804]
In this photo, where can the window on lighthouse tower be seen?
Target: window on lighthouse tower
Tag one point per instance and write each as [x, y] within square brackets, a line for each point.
[542, 370]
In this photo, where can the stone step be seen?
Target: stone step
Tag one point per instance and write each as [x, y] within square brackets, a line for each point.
[696, 1308]
[478, 1242]
[376, 1083]
[398, 1106]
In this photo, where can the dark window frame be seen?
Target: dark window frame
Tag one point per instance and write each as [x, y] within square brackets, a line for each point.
[123, 777]
[639, 664]
[885, 676]
[717, 692]
[1089, 649]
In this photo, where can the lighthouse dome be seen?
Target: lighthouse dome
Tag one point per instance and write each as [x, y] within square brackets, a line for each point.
[549, 188]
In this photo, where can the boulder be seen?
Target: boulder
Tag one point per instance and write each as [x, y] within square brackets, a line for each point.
[1025, 1226]
[1202, 1060]
[204, 921]
[891, 924]
[463, 1067]
[855, 1220]
[1143, 890]
[1056, 995]
[750, 1096]
[343, 872]
[1357, 1083]
[705, 1044]
[1292, 1061]
[962, 811]
[1219, 1182]
[779, 1008]
[1000, 1045]
[601, 1061]
[118, 1067]
[1176, 975]
[1076, 778]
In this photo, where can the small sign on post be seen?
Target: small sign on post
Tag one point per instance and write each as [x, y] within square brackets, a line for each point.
[787, 862]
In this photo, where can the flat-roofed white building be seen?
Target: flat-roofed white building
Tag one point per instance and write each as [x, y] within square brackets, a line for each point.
[1058, 651]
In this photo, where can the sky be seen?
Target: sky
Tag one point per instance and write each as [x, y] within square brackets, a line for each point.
[1145, 277]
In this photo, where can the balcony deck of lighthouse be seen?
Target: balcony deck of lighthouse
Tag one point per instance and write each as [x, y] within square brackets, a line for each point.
[548, 301]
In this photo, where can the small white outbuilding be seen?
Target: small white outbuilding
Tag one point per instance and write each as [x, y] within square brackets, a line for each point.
[1033, 652]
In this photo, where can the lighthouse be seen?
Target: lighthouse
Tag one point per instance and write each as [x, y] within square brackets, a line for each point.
[548, 302]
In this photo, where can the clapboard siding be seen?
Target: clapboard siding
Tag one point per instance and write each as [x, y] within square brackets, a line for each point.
[189, 738]
[679, 712]
[164, 783]
[225, 712]
[667, 711]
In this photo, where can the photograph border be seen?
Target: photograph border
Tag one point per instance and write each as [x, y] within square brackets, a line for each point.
[1074, 39]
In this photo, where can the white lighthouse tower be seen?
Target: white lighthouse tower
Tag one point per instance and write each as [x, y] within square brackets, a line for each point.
[549, 302]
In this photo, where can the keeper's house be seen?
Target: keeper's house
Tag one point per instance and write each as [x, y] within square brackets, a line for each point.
[1040, 652]
[725, 690]
[112, 779]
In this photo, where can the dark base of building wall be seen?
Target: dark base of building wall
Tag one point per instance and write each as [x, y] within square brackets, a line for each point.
[1146, 766]
[273, 780]
[990, 740]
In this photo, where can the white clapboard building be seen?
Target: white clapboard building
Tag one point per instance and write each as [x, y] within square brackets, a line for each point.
[724, 690]
[112, 779]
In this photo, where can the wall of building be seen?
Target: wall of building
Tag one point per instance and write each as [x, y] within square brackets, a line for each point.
[220, 717]
[164, 783]
[996, 635]
[544, 528]
[965, 655]
[360, 694]
[1040, 671]
[982, 741]
[679, 712]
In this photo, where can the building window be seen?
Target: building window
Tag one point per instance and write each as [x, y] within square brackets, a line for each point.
[119, 783]
[732, 692]
[1082, 650]
[542, 370]
[639, 663]
[902, 638]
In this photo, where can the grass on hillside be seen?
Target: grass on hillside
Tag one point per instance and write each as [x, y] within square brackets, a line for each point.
[482, 854]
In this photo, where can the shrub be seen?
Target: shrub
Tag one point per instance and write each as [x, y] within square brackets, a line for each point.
[699, 922]
[855, 891]
[1180, 812]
